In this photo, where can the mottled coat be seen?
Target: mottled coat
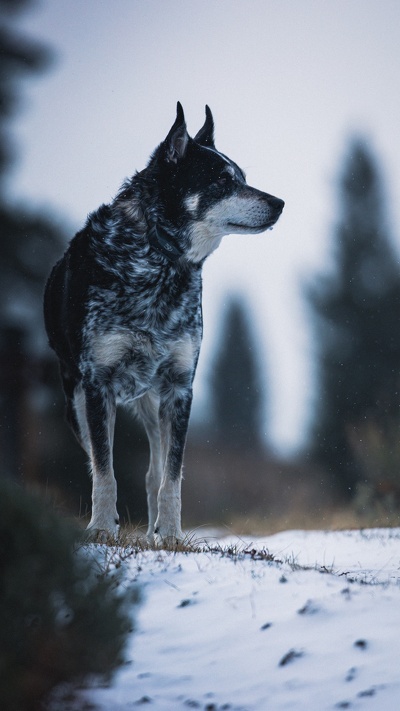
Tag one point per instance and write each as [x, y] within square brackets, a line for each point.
[123, 310]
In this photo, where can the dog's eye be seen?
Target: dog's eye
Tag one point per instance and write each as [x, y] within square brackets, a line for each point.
[223, 179]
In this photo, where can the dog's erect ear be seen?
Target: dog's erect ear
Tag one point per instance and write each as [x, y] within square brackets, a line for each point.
[176, 142]
[206, 134]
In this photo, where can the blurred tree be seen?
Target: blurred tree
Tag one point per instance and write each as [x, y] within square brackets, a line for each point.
[237, 392]
[356, 312]
[35, 443]
[18, 55]
[28, 244]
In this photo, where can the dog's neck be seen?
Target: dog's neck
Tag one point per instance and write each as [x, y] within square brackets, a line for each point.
[161, 235]
[163, 240]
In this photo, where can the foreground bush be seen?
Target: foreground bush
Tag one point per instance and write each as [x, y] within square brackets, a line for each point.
[59, 621]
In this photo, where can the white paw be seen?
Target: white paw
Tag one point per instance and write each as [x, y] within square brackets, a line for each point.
[102, 532]
[168, 535]
[150, 536]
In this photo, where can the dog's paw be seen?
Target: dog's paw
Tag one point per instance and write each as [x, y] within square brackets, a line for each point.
[96, 534]
[170, 543]
[150, 538]
[169, 538]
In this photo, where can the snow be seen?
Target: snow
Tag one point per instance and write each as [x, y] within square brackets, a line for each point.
[317, 628]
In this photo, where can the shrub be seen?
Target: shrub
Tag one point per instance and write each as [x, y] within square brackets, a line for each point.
[59, 621]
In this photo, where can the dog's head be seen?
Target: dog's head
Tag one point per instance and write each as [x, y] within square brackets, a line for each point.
[204, 194]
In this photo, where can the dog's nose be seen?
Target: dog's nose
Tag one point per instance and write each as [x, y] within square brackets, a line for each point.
[276, 203]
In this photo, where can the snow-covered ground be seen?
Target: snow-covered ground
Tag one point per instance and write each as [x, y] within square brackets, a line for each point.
[317, 628]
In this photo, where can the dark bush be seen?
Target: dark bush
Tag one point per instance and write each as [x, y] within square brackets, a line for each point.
[60, 620]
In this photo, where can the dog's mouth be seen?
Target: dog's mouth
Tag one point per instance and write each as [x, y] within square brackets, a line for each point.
[251, 229]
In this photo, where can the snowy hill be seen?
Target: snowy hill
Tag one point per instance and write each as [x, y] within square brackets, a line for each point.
[315, 628]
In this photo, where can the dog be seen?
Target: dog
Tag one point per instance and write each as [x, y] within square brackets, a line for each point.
[123, 311]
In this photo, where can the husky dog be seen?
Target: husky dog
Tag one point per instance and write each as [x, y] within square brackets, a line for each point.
[123, 311]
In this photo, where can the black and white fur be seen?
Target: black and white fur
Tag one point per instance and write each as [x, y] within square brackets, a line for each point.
[123, 310]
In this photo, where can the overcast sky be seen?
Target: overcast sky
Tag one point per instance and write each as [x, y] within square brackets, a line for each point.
[289, 83]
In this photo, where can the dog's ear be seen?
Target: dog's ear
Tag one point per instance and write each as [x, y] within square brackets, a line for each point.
[206, 134]
[176, 142]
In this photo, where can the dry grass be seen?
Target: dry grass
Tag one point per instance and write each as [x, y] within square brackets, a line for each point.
[108, 557]
[208, 537]
[335, 519]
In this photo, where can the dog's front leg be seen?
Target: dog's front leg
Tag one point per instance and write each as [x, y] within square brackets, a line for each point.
[174, 420]
[100, 414]
[148, 409]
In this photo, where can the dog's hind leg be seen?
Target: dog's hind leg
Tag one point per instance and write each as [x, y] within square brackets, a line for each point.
[100, 417]
[76, 417]
[147, 408]
[75, 408]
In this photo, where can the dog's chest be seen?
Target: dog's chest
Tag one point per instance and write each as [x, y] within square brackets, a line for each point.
[134, 362]
[133, 335]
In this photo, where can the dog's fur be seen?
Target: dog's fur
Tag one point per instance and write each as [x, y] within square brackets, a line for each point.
[123, 310]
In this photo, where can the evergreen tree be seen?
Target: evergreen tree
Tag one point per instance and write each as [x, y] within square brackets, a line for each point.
[29, 243]
[18, 56]
[237, 393]
[356, 312]
[35, 442]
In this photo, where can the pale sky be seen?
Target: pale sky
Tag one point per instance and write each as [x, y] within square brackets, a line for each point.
[289, 83]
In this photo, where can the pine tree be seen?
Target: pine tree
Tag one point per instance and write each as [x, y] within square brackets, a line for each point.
[35, 442]
[237, 392]
[356, 312]
[29, 243]
[18, 56]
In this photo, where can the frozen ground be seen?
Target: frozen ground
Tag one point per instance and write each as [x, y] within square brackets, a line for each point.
[317, 628]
